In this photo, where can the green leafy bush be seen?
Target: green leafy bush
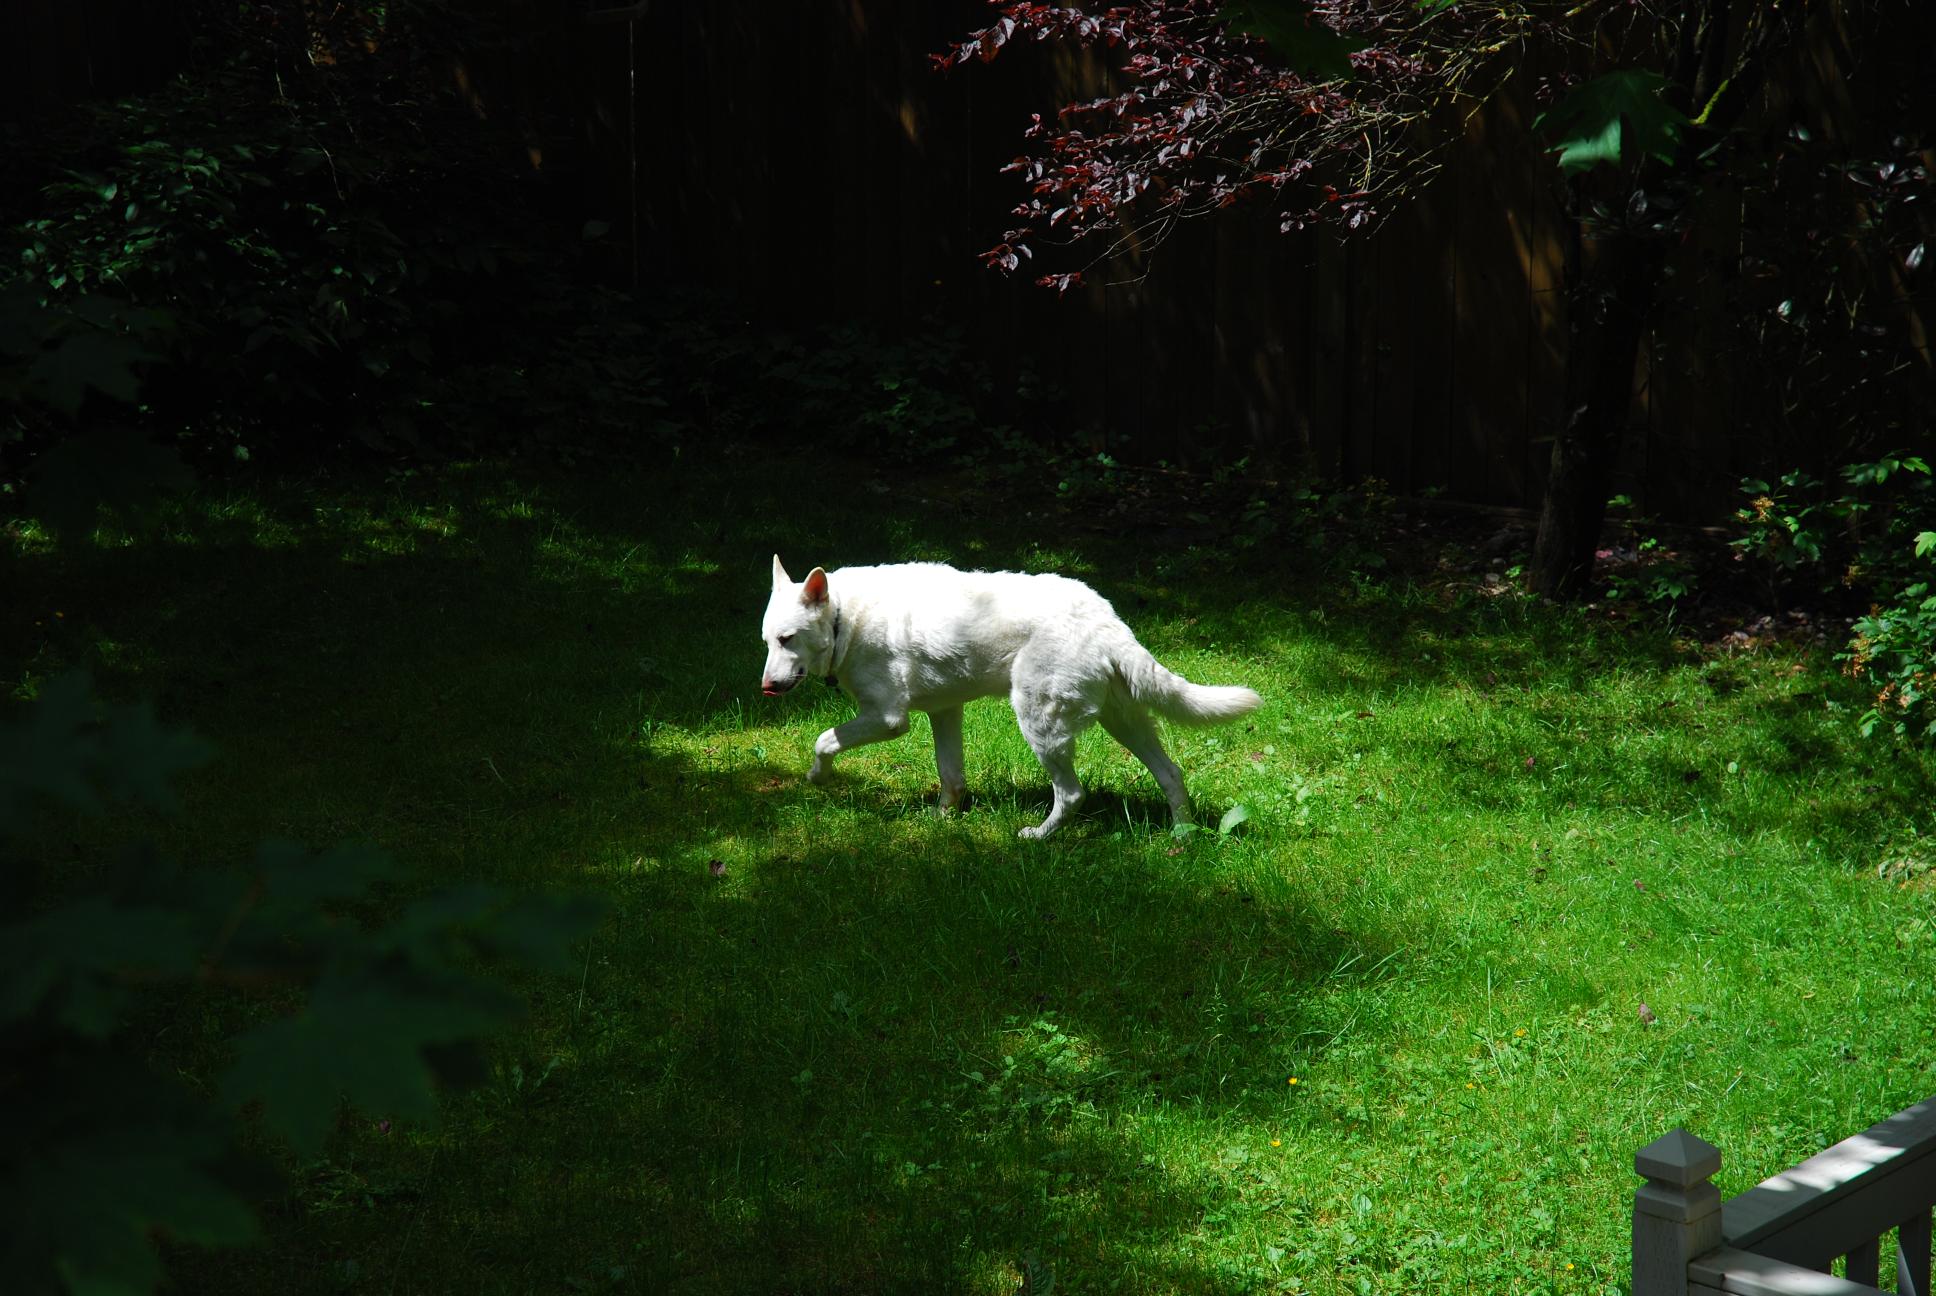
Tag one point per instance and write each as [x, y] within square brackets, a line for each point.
[1895, 647]
[321, 243]
[282, 291]
[1788, 525]
[1873, 541]
[1646, 569]
[359, 999]
[1803, 531]
[309, 240]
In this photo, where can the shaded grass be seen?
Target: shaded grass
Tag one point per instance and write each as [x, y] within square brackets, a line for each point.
[829, 1041]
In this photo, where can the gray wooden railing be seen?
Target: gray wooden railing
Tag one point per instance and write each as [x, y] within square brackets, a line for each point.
[1781, 1237]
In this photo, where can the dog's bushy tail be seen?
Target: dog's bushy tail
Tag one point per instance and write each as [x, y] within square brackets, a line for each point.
[1176, 699]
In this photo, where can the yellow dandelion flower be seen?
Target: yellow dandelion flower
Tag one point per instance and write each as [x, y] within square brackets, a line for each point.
[1520, 1033]
[1277, 1142]
[1470, 1085]
[1292, 1080]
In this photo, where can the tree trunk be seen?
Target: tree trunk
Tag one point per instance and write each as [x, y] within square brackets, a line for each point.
[1612, 311]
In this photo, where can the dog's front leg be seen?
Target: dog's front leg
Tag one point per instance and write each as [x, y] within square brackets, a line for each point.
[867, 727]
[947, 756]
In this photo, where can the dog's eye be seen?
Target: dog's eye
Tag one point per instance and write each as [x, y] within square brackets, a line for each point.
[785, 640]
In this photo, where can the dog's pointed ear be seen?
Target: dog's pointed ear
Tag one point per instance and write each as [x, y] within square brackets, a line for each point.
[814, 591]
[779, 574]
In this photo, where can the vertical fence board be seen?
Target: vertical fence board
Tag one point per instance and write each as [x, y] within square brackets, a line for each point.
[1125, 374]
[1364, 456]
[1426, 300]
[1329, 356]
[1292, 309]
[1863, 1264]
[1546, 279]
[1413, 403]
[1491, 340]
[1179, 307]
[1261, 336]
[1912, 1254]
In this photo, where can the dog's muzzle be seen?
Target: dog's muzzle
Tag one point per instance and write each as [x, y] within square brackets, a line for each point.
[774, 688]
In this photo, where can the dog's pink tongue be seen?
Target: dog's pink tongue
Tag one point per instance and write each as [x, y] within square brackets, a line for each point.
[771, 692]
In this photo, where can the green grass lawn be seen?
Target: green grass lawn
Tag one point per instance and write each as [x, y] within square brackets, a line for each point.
[1386, 1037]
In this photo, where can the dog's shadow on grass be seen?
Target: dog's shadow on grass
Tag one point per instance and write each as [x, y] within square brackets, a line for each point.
[905, 1026]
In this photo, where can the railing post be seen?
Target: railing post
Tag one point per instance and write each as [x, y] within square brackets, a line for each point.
[1677, 1212]
[1912, 1255]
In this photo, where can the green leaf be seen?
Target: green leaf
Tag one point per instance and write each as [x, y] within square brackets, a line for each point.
[116, 1159]
[139, 757]
[1925, 543]
[293, 874]
[150, 1178]
[69, 749]
[539, 931]
[50, 750]
[69, 960]
[368, 1038]
[1233, 818]
[1614, 119]
[1312, 47]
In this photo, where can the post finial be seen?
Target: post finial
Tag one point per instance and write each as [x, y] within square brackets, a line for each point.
[1678, 1158]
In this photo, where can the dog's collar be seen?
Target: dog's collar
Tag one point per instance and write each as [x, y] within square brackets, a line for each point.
[833, 649]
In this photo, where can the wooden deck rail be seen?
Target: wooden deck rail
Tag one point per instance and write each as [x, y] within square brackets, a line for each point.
[1780, 1237]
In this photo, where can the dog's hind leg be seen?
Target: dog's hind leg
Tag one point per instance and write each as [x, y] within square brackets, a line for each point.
[1131, 726]
[947, 756]
[867, 727]
[1057, 752]
[1052, 714]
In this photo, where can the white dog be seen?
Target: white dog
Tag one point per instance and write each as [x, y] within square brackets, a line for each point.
[925, 637]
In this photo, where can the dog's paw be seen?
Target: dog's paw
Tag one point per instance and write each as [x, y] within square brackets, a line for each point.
[820, 775]
[1034, 832]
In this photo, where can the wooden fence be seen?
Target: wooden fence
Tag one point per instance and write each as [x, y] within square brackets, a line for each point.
[807, 160]
[1782, 1237]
